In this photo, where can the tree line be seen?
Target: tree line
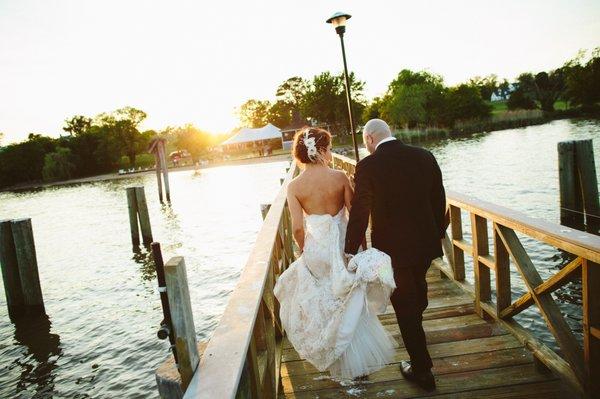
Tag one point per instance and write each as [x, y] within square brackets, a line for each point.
[94, 146]
[419, 99]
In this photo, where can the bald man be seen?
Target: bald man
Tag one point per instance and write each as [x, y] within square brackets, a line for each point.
[400, 187]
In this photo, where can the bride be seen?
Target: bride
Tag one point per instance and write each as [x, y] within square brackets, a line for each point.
[329, 309]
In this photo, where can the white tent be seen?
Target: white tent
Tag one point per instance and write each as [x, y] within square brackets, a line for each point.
[247, 135]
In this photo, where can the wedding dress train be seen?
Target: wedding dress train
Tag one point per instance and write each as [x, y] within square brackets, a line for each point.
[329, 312]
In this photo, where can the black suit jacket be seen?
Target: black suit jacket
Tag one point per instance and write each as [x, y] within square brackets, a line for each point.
[401, 188]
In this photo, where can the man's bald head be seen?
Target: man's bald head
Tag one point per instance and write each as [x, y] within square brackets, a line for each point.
[374, 131]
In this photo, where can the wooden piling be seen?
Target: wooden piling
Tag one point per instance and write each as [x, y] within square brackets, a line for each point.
[168, 379]
[158, 178]
[144, 217]
[22, 233]
[182, 319]
[165, 170]
[586, 167]
[571, 202]
[133, 218]
[10, 271]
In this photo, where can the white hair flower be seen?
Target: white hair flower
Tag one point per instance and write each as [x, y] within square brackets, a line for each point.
[311, 146]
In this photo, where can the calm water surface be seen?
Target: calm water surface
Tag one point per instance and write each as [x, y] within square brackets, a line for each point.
[100, 339]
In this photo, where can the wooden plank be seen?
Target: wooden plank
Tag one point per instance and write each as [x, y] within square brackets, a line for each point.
[502, 268]
[550, 285]
[458, 254]
[536, 390]
[586, 166]
[578, 243]
[453, 364]
[440, 350]
[548, 308]
[482, 273]
[591, 319]
[22, 232]
[571, 202]
[10, 271]
[464, 245]
[182, 318]
[446, 383]
[133, 217]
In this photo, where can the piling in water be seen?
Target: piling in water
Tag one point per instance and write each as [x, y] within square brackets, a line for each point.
[138, 216]
[579, 203]
[20, 269]
[10, 271]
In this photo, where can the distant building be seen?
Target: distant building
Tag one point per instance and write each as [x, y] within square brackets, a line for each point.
[263, 140]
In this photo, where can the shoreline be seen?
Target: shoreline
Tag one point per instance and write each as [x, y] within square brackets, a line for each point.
[116, 176]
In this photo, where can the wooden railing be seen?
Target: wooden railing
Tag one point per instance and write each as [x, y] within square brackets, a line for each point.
[579, 366]
[242, 359]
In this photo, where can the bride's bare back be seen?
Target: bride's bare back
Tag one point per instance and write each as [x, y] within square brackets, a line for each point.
[319, 190]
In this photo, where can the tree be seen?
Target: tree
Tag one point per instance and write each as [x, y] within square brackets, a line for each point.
[503, 89]
[58, 165]
[77, 125]
[414, 99]
[373, 110]
[486, 85]
[192, 139]
[281, 114]
[464, 102]
[123, 124]
[325, 101]
[290, 95]
[520, 99]
[544, 87]
[582, 79]
[254, 113]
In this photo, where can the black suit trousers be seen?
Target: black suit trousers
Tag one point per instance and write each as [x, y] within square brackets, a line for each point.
[409, 300]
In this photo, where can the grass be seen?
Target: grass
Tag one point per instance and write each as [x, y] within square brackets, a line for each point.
[499, 107]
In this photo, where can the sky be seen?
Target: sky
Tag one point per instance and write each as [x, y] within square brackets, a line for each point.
[196, 61]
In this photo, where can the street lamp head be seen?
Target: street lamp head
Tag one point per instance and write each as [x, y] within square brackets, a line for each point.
[338, 20]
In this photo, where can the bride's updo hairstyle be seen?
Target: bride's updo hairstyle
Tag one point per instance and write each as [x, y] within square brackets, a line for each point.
[310, 144]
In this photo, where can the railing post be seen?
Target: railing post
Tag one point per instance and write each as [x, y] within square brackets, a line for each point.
[182, 318]
[586, 171]
[590, 280]
[482, 272]
[457, 234]
[502, 263]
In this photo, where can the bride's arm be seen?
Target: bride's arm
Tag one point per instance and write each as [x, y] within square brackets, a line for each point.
[348, 193]
[297, 218]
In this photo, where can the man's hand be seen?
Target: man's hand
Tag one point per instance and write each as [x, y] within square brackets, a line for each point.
[350, 264]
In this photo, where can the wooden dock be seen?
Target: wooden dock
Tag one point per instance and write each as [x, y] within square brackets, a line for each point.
[479, 349]
[472, 358]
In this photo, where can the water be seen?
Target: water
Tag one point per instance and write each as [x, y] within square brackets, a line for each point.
[100, 339]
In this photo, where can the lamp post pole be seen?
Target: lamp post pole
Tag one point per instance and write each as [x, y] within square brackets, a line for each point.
[338, 20]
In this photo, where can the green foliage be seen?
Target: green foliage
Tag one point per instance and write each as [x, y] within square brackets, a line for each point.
[413, 99]
[487, 85]
[77, 125]
[325, 101]
[254, 113]
[464, 102]
[583, 79]
[24, 161]
[192, 139]
[373, 110]
[58, 165]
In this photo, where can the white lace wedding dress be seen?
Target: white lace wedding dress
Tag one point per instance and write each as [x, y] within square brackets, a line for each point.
[330, 313]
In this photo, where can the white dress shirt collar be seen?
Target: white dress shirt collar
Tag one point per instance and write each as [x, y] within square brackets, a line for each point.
[384, 141]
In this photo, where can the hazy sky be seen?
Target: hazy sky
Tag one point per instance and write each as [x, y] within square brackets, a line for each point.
[195, 61]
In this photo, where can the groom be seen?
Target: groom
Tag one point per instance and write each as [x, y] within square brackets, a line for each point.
[401, 188]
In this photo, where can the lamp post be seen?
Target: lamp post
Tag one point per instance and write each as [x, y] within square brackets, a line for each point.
[338, 20]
